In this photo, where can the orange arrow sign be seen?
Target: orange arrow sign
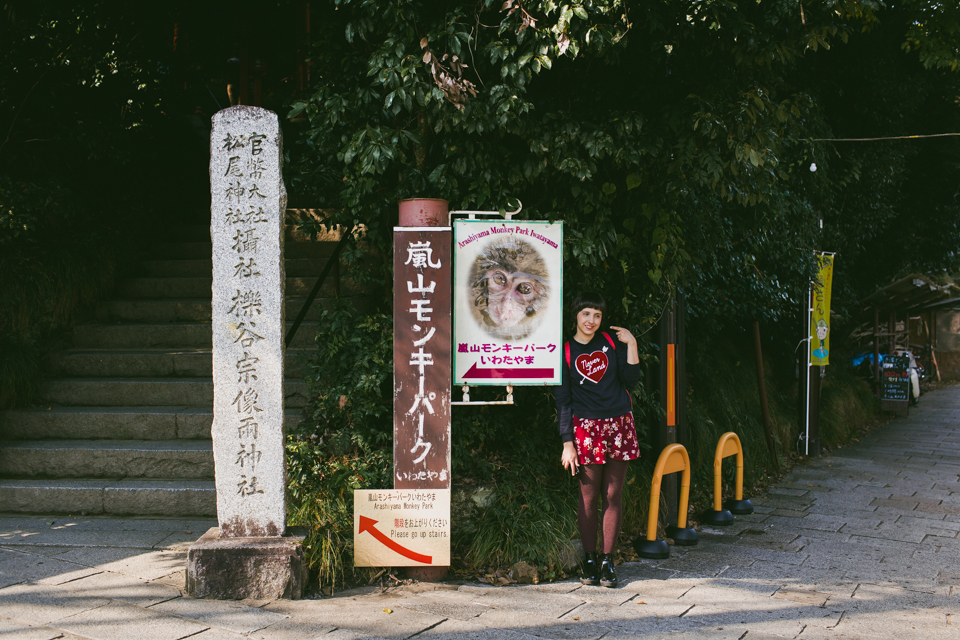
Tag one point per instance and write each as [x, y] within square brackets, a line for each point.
[367, 524]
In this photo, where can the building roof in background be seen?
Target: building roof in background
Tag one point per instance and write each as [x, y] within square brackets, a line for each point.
[913, 293]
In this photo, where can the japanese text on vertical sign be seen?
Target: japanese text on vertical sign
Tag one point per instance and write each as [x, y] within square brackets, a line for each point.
[420, 257]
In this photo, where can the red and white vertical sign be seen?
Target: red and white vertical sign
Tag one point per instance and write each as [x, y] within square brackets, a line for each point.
[421, 357]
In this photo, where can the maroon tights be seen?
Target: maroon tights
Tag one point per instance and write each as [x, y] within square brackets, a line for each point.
[596, 479]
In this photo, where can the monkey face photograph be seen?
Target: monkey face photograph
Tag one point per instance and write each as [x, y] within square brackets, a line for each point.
[510, 288]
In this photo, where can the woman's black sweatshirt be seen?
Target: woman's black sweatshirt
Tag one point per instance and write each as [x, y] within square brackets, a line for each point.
[596, 382]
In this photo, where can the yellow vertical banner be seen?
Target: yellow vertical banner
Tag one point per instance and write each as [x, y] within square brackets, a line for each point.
[820, 314]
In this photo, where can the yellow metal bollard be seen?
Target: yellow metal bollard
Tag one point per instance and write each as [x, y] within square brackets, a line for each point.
[722, 514]
[672, 459]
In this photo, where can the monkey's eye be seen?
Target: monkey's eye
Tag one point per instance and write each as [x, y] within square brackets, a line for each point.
[524, 288]
[500, 279]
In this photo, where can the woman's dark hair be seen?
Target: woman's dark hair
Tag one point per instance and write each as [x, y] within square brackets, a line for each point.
[588, 300]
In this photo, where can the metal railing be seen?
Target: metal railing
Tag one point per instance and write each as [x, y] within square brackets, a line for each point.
[333, 262]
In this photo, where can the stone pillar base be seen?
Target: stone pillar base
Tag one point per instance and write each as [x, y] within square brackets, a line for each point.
[239, 568]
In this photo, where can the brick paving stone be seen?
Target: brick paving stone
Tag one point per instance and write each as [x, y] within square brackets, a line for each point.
[933, 526]
[232, 616]
[40, 604]
[811, 521]
[290, 630]
[461, 630]
[603, 595]
[778, 616]
[662, 589]
[530, 602]
[542, 626]
[218, 634]
[896, 514]
[745, 550]
[14, 630]
[128, 589]
[148, 566]
[6, 581]
[803, 596]
[36, 568]
[359, 616]
[126, 622]
[456, 605]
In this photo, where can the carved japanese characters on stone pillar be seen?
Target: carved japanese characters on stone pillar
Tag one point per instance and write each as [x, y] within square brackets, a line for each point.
[248, 201]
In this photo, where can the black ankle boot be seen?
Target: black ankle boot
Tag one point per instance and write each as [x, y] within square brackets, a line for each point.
[608, 577]
[590, 572]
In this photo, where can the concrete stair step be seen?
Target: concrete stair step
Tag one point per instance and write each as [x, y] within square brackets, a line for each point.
[175, 459]
[201, 232]
[87, 392]
[197, 268]
[165, 288]
[152, 363]
[179, 335]
[144, 497]
[198, 309]
[114, 423]
[201, 250]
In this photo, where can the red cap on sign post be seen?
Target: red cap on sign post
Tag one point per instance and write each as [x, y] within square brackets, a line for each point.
[424, 212]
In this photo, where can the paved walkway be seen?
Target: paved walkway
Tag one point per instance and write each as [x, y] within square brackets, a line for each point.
[861, 544]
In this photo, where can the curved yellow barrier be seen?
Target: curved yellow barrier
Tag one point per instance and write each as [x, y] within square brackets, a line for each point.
[728, 445]
[672, 459]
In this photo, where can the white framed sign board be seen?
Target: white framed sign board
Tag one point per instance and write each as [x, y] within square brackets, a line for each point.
[401, 527]
[507, 302]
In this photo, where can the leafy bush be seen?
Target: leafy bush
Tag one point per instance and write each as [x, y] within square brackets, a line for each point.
[345, 441]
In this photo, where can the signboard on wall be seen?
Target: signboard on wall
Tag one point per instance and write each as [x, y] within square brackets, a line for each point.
[508, 302]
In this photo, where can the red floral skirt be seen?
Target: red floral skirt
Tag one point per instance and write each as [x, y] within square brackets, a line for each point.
[602, 439]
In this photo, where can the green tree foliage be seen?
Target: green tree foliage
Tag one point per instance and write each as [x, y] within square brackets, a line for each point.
[676, 141]
[82, 101]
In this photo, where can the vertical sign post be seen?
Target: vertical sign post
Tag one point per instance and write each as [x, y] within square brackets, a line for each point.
[416, 530]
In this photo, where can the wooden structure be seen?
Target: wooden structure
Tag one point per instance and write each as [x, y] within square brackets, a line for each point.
[905, 317]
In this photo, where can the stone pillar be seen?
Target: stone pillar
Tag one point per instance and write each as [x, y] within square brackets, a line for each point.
[247, 556]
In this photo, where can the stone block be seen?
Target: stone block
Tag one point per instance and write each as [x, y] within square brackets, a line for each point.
[247, 208]
[239, 568]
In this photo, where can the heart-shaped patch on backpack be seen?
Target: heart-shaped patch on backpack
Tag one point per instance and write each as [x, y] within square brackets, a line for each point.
[592, 366]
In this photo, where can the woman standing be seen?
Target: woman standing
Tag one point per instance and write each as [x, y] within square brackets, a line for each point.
[597, 428]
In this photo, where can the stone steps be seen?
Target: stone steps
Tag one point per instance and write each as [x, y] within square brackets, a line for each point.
[138, 392]
[114, 423]
[199, 250]
[184, 335]
[116, 459]
[140, 497]
[153, 288]
[151, 363]
[139, 310]
[124, 427]
[295, 267]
